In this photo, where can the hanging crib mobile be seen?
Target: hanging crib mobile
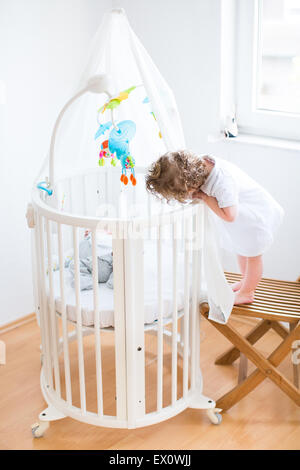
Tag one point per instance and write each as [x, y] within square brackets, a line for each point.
[116, 147]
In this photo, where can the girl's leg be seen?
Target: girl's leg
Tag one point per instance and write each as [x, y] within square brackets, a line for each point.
[242, 260]
[252, 277]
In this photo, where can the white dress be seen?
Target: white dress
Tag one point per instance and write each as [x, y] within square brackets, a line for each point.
[258, 217]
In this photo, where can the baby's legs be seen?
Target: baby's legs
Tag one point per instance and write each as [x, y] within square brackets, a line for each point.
[242, 260]
[251, 278]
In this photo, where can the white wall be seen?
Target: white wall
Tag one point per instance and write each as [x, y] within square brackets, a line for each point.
[43, 44]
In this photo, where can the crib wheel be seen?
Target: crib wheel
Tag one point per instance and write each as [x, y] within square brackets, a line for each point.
[38, 429]
[214, 415]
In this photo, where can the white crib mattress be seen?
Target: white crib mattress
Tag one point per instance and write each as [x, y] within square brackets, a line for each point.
[106, 295]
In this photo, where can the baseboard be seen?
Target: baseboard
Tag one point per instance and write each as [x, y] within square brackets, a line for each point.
[16, 323]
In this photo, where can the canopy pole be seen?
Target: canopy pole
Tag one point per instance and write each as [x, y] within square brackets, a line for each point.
[54, 133]
[96, 84]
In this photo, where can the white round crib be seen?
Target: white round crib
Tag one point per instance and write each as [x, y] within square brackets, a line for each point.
[123, 353]
[127, 356]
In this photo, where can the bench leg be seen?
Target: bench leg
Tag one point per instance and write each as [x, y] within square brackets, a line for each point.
[279, 329]
[295, 366]
[253, 336]
[266, 367]
[243, 368]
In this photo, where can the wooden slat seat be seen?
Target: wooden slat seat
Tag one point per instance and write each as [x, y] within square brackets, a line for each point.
[275, 302]
[279, 300]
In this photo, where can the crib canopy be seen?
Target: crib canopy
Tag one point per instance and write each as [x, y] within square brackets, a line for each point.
[138, 93]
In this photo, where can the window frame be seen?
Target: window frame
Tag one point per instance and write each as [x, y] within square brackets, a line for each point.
[249, 119]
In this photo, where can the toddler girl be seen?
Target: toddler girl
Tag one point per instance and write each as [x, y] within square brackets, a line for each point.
[247, 213]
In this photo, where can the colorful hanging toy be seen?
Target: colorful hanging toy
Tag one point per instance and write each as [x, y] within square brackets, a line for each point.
[116, 147]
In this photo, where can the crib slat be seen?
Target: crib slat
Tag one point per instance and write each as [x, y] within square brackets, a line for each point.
[135, 343]
[160, 323]
[149, 210]
[97, 325]
[35, 244]
[194, 300]
[79, 323]
[120, 332]
[187, 256]
[44, 304]
[175, 314]
[199, 232]
[52, 310]
[64, 316]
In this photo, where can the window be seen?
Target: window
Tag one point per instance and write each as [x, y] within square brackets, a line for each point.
[268, 67]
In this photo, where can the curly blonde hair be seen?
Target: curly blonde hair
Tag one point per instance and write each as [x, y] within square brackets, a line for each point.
[174, 174]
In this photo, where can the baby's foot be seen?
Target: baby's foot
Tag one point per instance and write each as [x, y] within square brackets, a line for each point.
[236, 286]
[243, 298]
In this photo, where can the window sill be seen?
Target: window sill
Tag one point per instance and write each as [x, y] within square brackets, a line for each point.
[258, 140]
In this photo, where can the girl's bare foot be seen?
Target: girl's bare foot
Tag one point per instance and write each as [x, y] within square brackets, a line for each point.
[243, 298]
[236, 286]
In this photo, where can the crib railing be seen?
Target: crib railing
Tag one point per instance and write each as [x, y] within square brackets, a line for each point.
[67, 378]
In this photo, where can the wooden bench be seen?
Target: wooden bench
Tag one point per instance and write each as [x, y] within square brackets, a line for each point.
[275, 302]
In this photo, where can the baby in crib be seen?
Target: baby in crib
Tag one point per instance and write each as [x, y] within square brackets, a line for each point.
[248, 216]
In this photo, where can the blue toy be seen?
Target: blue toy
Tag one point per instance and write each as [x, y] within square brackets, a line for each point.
[117, 147]
[118, 144]
[102, 129]
[44, 185]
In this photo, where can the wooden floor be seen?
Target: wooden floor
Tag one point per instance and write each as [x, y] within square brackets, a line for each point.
[266, 419]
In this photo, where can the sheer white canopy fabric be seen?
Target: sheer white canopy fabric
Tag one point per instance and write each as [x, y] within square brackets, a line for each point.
[217, 291]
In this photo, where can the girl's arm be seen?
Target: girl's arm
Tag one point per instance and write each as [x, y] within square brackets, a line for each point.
[226, 213]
